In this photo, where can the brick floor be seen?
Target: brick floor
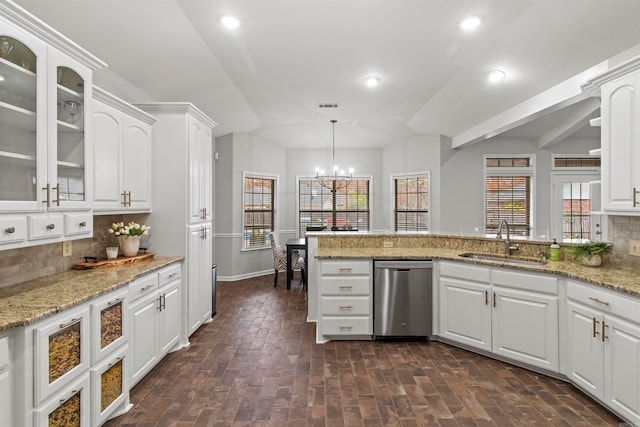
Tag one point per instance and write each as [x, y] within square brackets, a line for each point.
[257, 364]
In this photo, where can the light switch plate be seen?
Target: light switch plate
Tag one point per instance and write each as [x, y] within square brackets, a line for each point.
[634, 247]
[67, 248]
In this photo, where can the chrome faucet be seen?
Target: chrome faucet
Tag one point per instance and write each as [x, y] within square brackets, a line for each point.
[507, 243]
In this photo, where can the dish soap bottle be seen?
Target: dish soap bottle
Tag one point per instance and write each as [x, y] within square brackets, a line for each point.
[554, 251]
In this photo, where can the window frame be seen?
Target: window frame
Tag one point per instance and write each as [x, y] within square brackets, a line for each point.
[312, 177]
[408, 175]
[276, 197]
[505, 171]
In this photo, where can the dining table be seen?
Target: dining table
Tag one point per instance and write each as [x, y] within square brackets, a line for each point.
[294, 244]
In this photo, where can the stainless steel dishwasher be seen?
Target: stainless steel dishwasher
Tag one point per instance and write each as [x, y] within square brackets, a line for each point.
[402, 298]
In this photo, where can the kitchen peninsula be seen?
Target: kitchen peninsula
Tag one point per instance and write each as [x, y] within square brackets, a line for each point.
[560, 318]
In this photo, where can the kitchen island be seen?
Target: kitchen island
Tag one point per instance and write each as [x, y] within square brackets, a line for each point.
[559, 318]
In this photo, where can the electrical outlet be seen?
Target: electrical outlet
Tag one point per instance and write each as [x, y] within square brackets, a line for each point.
[634, 247]
[387, 244]
[67, 248]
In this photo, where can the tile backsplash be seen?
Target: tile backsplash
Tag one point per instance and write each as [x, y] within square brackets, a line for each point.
[19, 265]
[621, 230]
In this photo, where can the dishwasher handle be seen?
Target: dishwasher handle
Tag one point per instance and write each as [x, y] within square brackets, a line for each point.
[403, 264]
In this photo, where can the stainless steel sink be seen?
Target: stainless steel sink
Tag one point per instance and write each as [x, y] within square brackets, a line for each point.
[498, 258]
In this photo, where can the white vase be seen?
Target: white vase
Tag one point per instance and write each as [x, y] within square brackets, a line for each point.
[592, 260]
[129, 245]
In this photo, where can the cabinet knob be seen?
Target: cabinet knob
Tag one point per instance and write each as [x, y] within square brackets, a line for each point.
[83, 224]
[51, 226]
[10, 230]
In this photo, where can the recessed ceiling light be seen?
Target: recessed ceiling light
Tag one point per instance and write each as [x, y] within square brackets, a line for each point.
[230, 21]
[496, 76]
[372, 81]
[470, 23]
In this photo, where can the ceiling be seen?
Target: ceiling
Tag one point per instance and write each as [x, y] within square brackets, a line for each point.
[268, 75]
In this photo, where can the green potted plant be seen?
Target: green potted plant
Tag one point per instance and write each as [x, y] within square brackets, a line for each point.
[589, 252]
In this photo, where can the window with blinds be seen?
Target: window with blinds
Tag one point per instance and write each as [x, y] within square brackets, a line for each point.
[411, 210]
[349, 209]
[258, 206]
[508, 194]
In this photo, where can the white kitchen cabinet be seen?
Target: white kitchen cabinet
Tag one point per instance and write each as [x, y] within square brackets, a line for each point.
[46, 148]
[182, 143]
[345, 300]
[199, 272]
[69, 407]
[6, 395]
[604, 347]
[155, 319]
[620, 137]
[109, 324]
[122, 152]
[508, 313]
[109, 386]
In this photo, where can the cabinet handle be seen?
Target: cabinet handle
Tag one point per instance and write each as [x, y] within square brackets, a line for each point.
[345, 269]
[494, 300]
[10, 230]
[346, 328]
[635, 201]
[73, 393]
[124, 199]
[147, 287]
[57, 188]
[486, 297]
[172, 275]
[117, 360]
[604, 325]
[114, 302]
[598, 300]
[595, 328]
[164, 301]
[159, 308]
[129, 199]
[51, 226]
[346, 307]
[48, 190]
[203, 213]
[83, 224]
[71, 322]
[345, 287]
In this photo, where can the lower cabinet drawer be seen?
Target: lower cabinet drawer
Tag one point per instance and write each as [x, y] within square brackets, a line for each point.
[70, 407]
[337, 285]
[109, 386]
[345, 306]
[44, 226]
[347, 326]
[13, 229]
[78, 223]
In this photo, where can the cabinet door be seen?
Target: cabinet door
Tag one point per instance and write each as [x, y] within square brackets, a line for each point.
[200, 173]
[107, 139]
[621, 144]
[143, 336]
[136, 163]
[61, 351]
[109, 324]
[465, 314]
[109, 386]
[6, 393]
[70, 407]
[586, 352]
[199, 277]
[525, 327]
[169, 322]
[70, 148]
[23, 120]
[622, 367]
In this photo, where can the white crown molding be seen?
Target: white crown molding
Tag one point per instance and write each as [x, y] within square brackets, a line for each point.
[122, 105]
[613, 73]
[176, 107]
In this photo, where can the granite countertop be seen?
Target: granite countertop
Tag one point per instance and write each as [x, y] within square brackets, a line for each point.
[28, 302]
[620, 279]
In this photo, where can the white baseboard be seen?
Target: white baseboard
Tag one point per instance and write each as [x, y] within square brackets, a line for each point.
[244, 276]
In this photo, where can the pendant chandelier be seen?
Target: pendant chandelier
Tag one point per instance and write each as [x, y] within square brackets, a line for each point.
[339, 179]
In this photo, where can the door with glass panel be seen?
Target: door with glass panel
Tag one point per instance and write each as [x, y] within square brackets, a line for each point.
[571, 207]
[23, 72]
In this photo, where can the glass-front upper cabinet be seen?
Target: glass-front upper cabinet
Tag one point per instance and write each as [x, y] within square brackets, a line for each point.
[69, 124]
[23, 72]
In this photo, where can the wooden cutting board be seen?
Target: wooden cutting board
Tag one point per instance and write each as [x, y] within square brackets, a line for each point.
[121, 260]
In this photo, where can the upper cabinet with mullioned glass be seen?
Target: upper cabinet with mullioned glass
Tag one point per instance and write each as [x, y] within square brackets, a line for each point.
[44, 136]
